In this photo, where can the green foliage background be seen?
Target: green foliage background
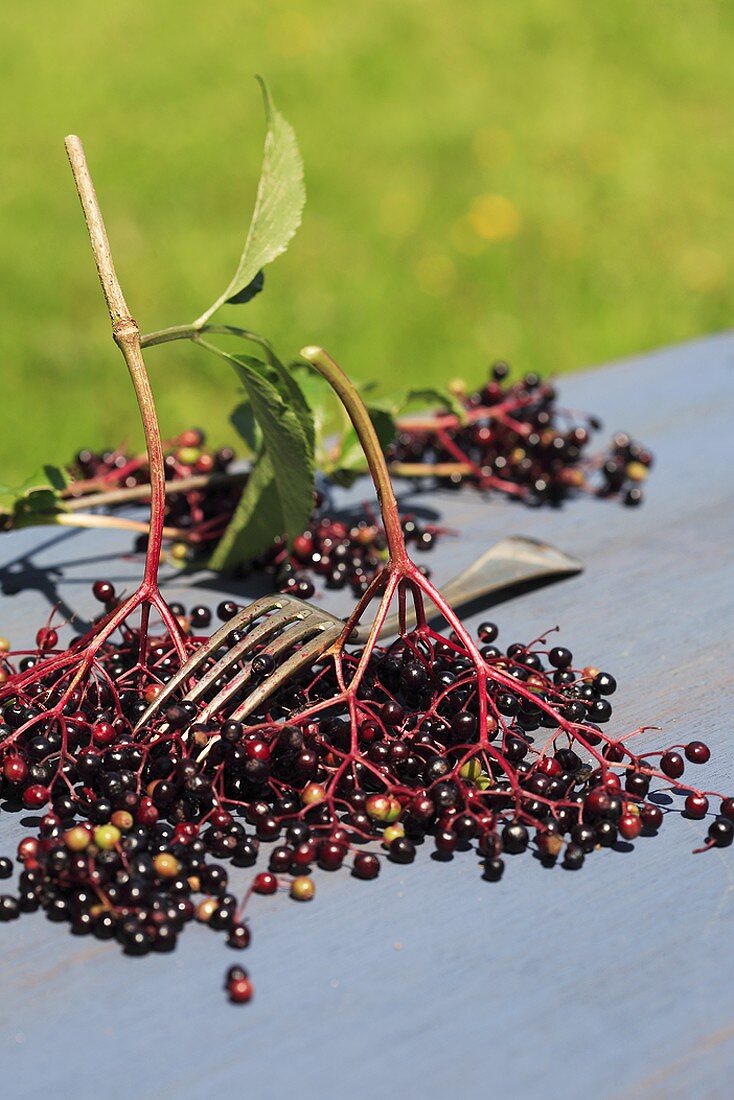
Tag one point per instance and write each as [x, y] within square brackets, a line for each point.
[547, 180]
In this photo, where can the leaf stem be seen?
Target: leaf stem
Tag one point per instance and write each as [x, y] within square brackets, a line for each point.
[192, 332]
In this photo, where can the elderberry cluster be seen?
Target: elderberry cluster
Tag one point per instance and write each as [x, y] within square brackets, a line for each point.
[139, 820]
[339, 554]
[185, 456]
[515, 439]
[343, 555]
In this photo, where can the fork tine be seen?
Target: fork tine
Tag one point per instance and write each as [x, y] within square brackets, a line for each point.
[328, 633]
[307, 653]
[243, 618]
[271, 625]
[299, 632]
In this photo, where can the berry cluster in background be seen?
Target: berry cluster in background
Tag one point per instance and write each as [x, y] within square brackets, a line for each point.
[513, 439]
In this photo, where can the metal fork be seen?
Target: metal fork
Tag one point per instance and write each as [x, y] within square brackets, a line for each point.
[299, 633]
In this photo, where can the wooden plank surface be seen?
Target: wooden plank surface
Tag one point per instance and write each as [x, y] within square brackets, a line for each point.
[617, 981]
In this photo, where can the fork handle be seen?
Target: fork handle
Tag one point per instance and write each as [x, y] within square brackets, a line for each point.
[512, 561]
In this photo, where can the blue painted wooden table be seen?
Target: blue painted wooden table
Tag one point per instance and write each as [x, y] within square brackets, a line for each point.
[616, 981]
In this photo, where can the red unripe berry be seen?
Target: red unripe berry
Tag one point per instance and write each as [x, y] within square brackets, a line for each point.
[265, 883]
[446, 842]
[304, 854]
[28, 849]
[422, 809]
[46, 638]
[612, 782]
[672, 764]
[630, 826]
[383, 807]
[727, 808]
[303, 547]
[204, 463]
[240, 991]
[49, 825]
[549, 766]
[697, 752]
[103, 591]
[366, 865]
[184, 831]
[146, 813]
[651, 816]
[103, 733]
[697, 805]
[35, 796]
[257, 749]
[597, 801]
[331, 855]
[15, 769]
[191, 437]
[220, 818]
[369, 732]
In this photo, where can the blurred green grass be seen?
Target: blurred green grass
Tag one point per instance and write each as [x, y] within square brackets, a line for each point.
[548, 181]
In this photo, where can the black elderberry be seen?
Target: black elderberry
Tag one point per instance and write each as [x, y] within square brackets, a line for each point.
[507, 704]
[493, 869]
[226, 610]
[584, 837]
[402, 850]
[606, 834]
[573, 857]
[9, 907]
[104, 927]
[263, 664]
[515, 748]
[559, 657]
[721, 832]
[601, 710]
[58, 909]
[605, 684]
[515, 838]
[574, 711]
[445, 794]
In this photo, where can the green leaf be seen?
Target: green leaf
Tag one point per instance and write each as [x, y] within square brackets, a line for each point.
[56, 477]
[243, 421]
[256, 522]
[285, 441]
[284, 379]
[249, 292]
[318, 395]
[281, 196]
[351, 456]
[39, 494]
[428, 395]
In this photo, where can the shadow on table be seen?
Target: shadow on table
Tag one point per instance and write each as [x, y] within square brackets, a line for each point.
[21, 574]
